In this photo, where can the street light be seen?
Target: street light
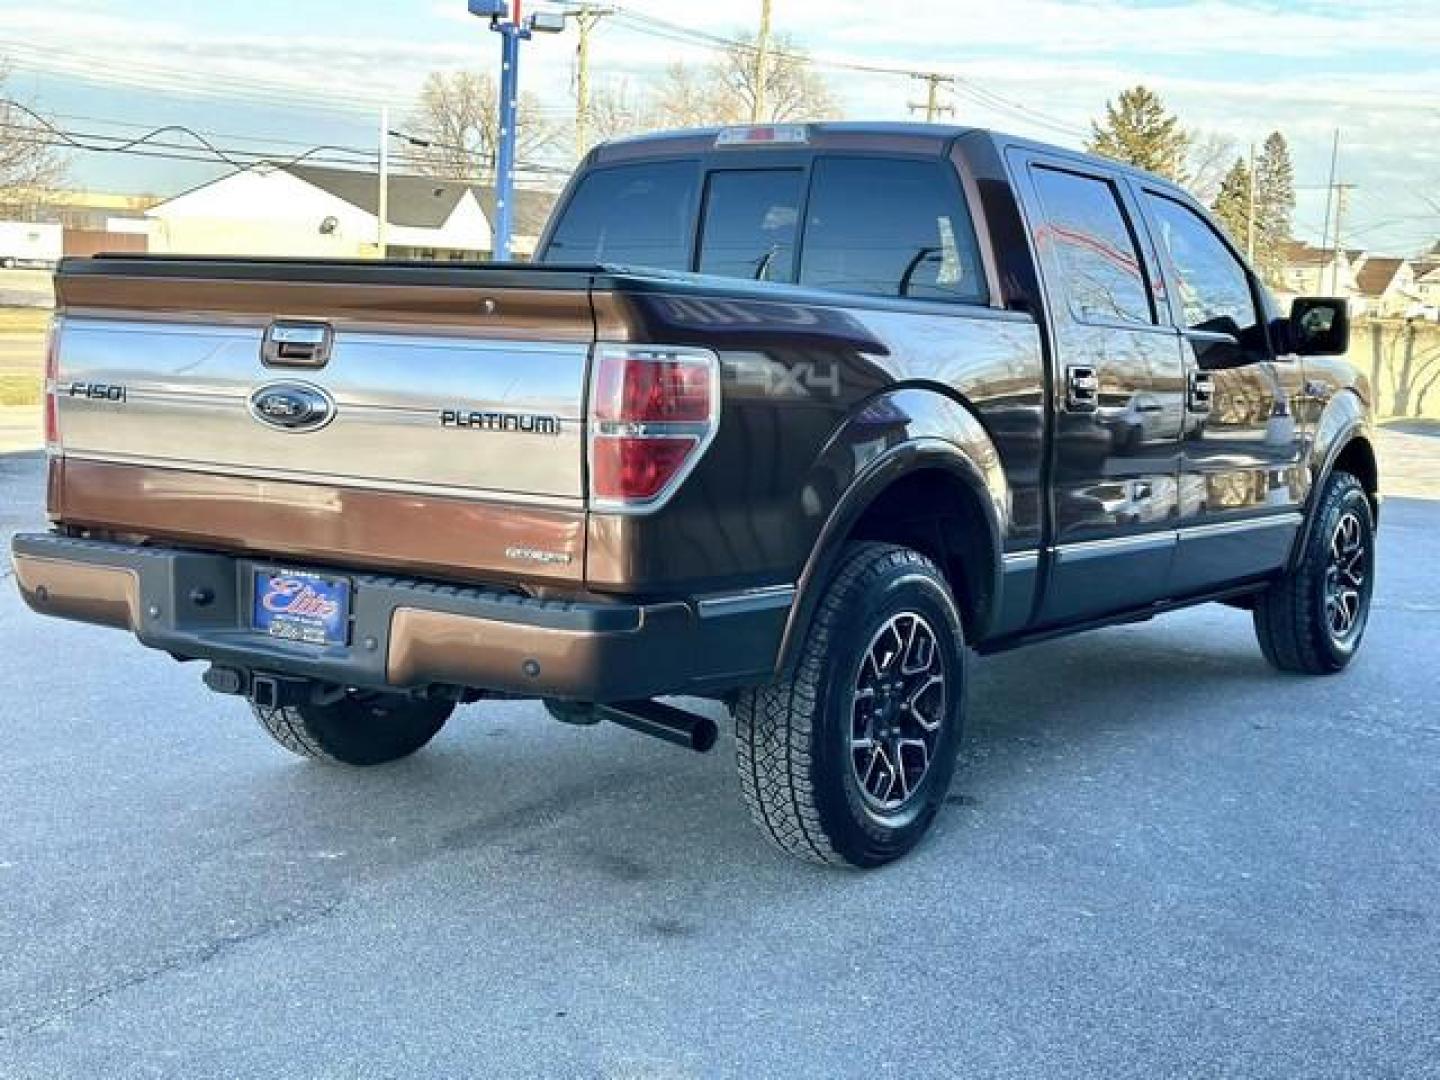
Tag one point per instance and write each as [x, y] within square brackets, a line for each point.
[508, 21]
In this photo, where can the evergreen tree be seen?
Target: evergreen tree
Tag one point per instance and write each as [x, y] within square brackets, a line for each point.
[1274, 205]
[1139, 131]
[1232, 204]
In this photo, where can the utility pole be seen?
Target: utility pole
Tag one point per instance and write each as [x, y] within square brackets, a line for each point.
[586, 19]
[382, 215]
[932, 106]
[1329, 197]
[762, 63]
[1342, 192]
[1250, 213]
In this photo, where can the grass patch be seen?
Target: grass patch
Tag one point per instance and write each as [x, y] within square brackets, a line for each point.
[24, 320]
[18, 390]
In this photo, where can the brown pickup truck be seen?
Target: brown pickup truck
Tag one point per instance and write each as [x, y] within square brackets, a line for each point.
[794, 418]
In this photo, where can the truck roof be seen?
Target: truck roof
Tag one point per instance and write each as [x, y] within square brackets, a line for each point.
[863, 135]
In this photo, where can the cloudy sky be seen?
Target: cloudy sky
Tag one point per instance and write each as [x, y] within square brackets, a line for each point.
[271, 75]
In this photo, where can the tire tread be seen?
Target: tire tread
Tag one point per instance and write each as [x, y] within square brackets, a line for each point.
[286, 725]
[342, 734]
[1288, 621]
[775, 724]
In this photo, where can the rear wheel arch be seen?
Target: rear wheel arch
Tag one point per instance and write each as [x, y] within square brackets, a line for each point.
[926, 495]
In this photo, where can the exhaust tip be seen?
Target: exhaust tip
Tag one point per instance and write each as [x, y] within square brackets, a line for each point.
[665, 722]
[704, 735]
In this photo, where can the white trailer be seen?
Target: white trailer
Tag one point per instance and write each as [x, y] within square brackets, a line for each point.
[30, 243]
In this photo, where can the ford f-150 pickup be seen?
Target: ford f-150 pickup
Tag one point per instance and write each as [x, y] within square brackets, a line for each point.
[795, 418]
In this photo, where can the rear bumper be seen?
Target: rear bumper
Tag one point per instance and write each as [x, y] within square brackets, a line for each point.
[410, 634]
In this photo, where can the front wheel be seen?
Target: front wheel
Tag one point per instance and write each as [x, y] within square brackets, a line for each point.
[359, 729]
[1312, 620]
[848, 761]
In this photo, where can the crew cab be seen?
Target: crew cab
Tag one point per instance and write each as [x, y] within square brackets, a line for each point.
[796, 418]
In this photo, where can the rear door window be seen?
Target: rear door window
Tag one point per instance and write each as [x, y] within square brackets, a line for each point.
[751, 221]
[1095, 248]
[631, 215]
[892, 227]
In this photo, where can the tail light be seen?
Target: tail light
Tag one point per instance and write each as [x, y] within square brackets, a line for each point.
[653, 412]
[52, 375]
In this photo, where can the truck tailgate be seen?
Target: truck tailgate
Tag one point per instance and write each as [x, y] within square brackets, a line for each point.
[450, 391]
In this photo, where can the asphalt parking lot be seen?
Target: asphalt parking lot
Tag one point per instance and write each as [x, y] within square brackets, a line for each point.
[1161, 860]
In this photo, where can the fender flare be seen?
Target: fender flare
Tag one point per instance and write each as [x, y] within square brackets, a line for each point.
[1343, 422]
[961, 449]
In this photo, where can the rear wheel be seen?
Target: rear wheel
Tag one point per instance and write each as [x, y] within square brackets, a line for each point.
[1312, 620]
[849, 761]
[359, 729]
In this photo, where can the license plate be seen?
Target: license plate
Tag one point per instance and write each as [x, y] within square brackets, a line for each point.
[298, 606]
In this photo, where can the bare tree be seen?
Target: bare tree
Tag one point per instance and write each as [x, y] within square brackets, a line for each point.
[1209, 159]
[687, 97]
[794, 90]
[31, 165]
[724, 92]
[457, 115]
[616, 111]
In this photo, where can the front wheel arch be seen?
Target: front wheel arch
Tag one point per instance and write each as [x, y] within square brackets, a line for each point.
[1351, 452]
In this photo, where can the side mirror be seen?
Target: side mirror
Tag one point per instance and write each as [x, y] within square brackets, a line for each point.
[1320, 326]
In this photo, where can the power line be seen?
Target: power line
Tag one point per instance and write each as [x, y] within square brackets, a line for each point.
[656, 27]
[81, 143]
[93, 68]
[207, 153]
[165, 79]
[160, 79]
[131, 125]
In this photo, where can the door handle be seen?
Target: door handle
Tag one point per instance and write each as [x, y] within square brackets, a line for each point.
[1082, 388]
[1201, 397]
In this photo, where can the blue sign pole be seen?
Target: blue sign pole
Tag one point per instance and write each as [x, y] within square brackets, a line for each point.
[505, 20]
[511, 35]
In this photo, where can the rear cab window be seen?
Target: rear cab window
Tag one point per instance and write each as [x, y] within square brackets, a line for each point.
[895, 227]
[752, 219]
[630, 215]
[890, 227]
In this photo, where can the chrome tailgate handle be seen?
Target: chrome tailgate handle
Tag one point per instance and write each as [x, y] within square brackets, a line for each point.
[297, 344]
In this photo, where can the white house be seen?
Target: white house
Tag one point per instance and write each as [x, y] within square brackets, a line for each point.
[1386, 287]
[312, 210]
[1312, 271]
[1426, 274]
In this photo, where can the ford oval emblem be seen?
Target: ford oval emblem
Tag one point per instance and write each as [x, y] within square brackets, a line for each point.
[292, 406]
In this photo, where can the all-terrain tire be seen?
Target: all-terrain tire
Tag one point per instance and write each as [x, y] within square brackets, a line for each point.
[1293, 618]
[795, 738]
[355, 730]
